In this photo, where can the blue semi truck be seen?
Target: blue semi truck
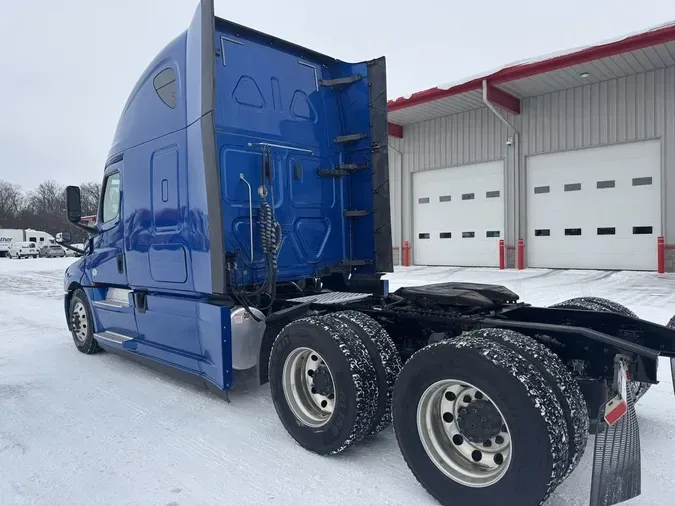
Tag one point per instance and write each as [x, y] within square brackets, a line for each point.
[244, 222]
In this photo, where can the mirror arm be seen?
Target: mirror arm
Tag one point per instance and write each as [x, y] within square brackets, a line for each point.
[90, 230]
[71, 248]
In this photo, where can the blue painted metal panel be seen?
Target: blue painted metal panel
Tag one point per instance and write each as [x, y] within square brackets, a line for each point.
[356, 116]
[145, 116]
[156, 228]
[194, 63]
[168, 263]
[216, 342]
[118, 319]
[164, 196]
[271, 94]
[198, 216]
[168, 331]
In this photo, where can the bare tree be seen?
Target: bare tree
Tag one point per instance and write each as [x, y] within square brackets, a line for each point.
[44, 207]
[10, 203]
[91, 192]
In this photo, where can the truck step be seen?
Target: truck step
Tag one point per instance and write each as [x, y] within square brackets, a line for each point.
[343, 139]
[341, 170]
[332, 297]
[340, 81]
[115, 298]
[356, 213]
[354, 263]
[113, 337]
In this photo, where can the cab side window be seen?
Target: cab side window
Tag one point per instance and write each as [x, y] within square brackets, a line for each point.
[110, 206]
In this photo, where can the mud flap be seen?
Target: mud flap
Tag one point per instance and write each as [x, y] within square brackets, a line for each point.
[617, 475]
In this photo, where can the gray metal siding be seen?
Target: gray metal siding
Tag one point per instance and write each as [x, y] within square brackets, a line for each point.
[470, 137]
[620, 110]
[627, 109]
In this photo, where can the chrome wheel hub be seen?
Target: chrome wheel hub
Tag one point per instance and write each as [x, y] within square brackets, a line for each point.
[464, 433]
[79, 321]
[308, 386]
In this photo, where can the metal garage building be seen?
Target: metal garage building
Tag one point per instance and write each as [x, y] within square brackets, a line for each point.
[574, 154]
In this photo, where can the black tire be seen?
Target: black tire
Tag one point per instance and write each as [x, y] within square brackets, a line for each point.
[562, 384]
[534, 416]
[606, 306]
[385, 358]
[353, 375]
[80, 318]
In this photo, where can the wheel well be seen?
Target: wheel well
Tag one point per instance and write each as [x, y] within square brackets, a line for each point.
[66, 303]
[269, 336]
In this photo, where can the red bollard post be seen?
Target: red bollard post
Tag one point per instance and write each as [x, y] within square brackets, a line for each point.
[502, 261]
[406, 254]
[661, 254]
[521, 254]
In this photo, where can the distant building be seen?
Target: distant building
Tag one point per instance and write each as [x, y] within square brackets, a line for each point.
[582, 177]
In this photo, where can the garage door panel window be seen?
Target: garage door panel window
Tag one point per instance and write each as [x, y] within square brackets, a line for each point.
[642, 230]
[572, 231]
[642, 181]
[542, 189]
[446, 235]
[542, 232]
[444, 198]
[468, 235]
[492, 194]
[573, 187]
[468, 196]
[492, 233]
[606, 231]
[423, 200]
[424, 236]
[601, 185]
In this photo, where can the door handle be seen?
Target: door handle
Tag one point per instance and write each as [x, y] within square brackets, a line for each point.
[120, 263]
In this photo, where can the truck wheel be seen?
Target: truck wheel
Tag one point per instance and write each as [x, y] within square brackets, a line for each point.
[477, 423]
[81, 323]
[385, 358]
[605, 306]
[561, 382]
[323, 384]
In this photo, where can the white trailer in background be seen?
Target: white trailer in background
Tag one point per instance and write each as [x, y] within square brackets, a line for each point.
[9, 235]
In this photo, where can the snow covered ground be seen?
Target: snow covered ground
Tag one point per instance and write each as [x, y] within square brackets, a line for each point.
[94, 430]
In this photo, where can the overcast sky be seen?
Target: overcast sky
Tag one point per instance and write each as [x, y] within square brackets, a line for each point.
[67, 66]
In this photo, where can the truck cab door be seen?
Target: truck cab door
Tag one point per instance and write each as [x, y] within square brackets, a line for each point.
[106, 266]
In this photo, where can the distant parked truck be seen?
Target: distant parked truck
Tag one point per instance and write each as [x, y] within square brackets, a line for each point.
[9, 235]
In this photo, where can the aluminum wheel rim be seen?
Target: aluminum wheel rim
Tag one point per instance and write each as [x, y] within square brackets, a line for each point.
[445, 444]
[80, 321]
[309, 406]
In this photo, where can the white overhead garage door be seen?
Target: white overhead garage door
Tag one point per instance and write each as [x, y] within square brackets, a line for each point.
[458, 215]
[597, 208]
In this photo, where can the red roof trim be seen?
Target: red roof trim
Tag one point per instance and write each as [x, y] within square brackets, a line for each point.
[503, 99]
[395, 130]
[520, 71]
